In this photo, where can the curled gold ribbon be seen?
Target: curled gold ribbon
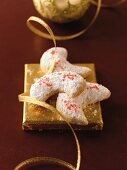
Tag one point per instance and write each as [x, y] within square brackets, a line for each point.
[41, 161]
[26, 98]
[57, 37]
[37, 31]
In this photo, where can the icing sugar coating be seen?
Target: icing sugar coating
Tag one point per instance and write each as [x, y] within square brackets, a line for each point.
[61, 63]
[66, 81]
[72, 108]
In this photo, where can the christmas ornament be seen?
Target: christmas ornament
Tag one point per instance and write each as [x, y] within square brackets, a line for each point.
[62, 11]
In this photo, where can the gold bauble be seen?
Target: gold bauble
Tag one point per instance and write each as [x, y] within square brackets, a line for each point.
[62, 11]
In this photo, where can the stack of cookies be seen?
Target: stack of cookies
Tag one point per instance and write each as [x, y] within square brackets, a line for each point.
[74, 94]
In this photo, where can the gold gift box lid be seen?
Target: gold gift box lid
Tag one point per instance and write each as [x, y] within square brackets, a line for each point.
[38, 118]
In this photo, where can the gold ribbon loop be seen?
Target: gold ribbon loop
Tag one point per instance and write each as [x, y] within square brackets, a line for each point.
[51, 34]
[37, 31]
[42, 161]
[66, 37]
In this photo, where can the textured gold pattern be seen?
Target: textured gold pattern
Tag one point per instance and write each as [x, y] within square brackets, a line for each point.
[69, 12]
[39, 118]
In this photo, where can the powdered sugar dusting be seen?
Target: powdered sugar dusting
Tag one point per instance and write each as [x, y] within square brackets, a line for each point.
[61, 63]
[74, 106]
[65, 81]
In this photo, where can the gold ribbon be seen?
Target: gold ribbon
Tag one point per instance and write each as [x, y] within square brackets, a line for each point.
[41, 161]
[48, 160]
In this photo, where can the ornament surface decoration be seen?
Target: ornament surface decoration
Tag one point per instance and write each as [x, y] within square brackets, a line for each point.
[62, 11]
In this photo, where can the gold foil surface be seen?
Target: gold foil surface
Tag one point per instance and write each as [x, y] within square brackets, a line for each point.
[38, 118]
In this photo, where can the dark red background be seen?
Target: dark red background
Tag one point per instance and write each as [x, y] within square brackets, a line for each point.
[105, 44]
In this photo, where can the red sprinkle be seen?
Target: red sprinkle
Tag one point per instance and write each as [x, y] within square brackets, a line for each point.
[46, 81]
[93, 87]
[53, 52]
[71, 106]
[57, 62]
[69, 76]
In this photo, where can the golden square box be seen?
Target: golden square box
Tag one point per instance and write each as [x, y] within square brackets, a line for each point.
[38, 118]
